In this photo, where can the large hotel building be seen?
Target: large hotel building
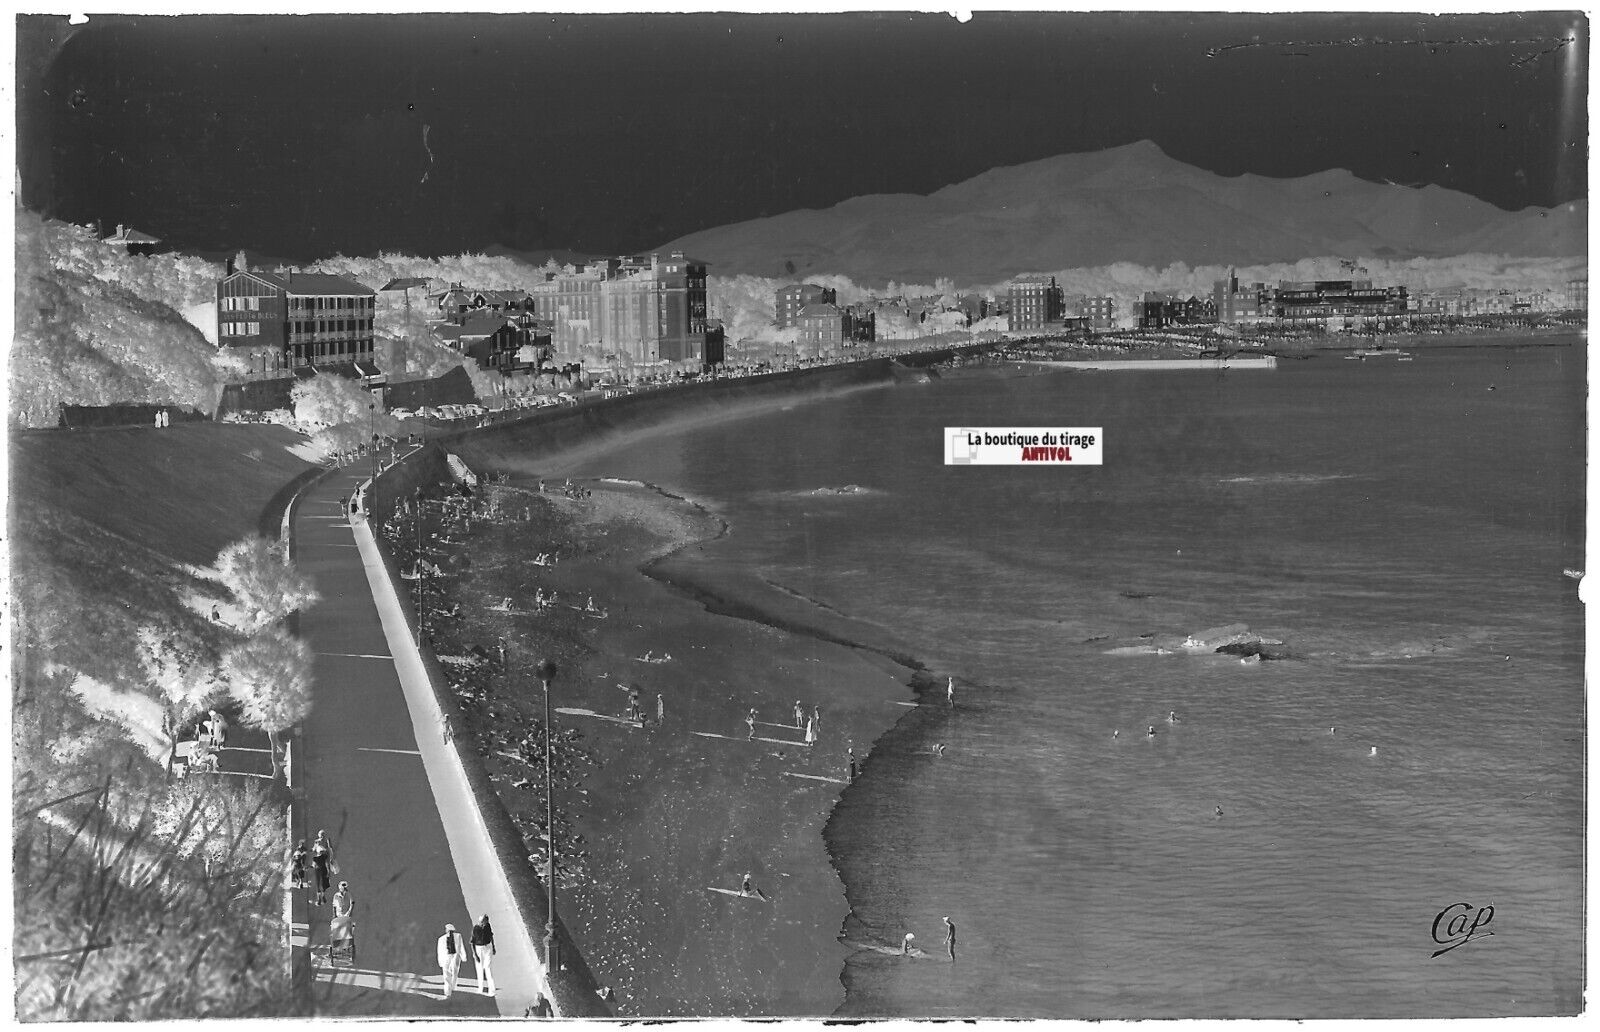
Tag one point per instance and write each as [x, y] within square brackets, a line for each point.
[641, 308]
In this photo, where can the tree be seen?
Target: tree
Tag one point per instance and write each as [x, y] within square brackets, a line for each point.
[181, 667]
[265, 586]
[328, 400]
[269, 676]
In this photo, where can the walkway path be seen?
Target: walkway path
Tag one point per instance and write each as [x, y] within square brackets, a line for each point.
[361, 775]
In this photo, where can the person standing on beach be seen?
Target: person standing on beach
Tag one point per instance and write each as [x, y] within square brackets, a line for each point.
[811, 734]
[750, 722]
[661, 710]
[816, 718]
[851, 753]
[950, 693]
[950, 937]
[450, 951]
[905, 944]
[799, 714]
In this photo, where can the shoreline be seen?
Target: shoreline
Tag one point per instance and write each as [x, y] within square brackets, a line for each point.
[642, 914]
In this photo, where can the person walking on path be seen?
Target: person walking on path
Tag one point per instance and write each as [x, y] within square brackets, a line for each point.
[322, 867]
[661, 710]
[799, 714]
[344, 905]
[950, 937]
[297, 866]
[451, 950]
[483, 954]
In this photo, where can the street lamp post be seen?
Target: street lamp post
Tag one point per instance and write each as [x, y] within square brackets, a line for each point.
[546, 672]
[372, 432]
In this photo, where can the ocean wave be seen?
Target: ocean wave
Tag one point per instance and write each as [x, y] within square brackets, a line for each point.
[845, 491]
[1287, 478]
[813, 493]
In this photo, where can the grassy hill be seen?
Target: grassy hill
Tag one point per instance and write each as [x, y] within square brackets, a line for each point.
[106, 528]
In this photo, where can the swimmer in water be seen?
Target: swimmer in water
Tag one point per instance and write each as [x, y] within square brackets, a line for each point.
[1172, 716]
[1219, 811]
[1331, 730]
[1374, 751]
[1114, 734]
[905, 944]
[1150, 732]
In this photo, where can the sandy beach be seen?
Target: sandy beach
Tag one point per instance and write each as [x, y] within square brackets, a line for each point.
[657, 822]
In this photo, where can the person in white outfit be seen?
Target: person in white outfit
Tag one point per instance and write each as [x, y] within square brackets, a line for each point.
[452, 948]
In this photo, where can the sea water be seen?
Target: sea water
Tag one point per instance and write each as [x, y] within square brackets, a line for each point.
[1402, 527]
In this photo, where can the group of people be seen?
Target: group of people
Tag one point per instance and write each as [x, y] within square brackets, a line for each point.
[569, 489]
[314, 870]
[636, 710]
[812, 724]
[200, 753]
[452, 951]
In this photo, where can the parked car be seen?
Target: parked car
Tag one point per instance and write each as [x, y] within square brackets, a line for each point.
[401, 413]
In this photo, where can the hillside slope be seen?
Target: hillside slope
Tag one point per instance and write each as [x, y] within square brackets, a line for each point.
[1128, 204]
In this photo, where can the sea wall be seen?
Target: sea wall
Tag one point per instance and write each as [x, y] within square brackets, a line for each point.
[572, 985]
[600, 423]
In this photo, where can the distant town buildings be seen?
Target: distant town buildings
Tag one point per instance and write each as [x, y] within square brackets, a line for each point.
[1156, 310]
[136, 242]
[510, 341]
[637, 308]
[1327, 304]
[297, 322]
[791, 300]
[1035, 302]
[1101, 312]
[821, 328]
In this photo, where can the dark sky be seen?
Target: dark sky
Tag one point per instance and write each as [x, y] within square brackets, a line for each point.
[430, 134]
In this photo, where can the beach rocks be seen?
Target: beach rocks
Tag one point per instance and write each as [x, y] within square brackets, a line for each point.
[1262, 648]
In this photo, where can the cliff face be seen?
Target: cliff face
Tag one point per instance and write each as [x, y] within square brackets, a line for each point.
[1128, 204]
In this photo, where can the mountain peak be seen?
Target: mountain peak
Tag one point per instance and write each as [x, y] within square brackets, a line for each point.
[1133, 203]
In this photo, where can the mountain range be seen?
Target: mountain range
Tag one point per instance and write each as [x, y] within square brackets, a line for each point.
[1127, 204]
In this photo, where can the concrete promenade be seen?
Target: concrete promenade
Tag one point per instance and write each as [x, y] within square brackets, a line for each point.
[373, 770]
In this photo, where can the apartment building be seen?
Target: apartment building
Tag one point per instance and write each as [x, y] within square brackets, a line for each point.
[790, 300]
[290, 321]
[1035, 302]
[643, 308]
